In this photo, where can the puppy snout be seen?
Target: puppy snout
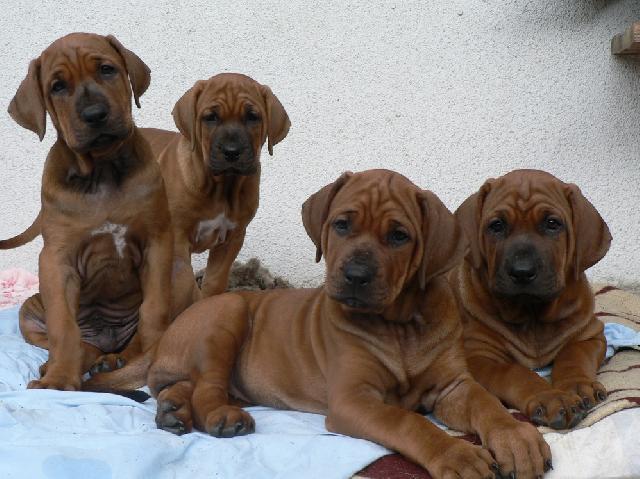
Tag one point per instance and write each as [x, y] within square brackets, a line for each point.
[95, 115]
[358, 274]
[231, 151]
[523, 269]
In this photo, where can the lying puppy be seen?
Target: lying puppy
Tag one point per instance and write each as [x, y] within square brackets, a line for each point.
[211, 171]
[525, 299]
[106, 263]
[380, 339]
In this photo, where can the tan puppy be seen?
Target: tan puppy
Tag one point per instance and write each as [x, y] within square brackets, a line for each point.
[212, 174]
[525, 299]
[380, 339]
[106, 263]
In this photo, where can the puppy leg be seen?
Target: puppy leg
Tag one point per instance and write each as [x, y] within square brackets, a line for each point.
[523, 389]
[105, 363]
[575, 368]
[59, 293]
[518, 447]
[155, 279]
[356, 398]
[174, 408]
[216, 276]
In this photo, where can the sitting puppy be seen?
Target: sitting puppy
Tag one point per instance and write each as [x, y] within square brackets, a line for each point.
[525, 299]
[211, 171]
[106, 263]
[379, 340]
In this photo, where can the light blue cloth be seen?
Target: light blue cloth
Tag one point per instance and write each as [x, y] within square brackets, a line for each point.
[617, 336]
[62, 435]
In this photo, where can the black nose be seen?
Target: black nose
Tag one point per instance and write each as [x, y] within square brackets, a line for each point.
[358, 274]
[95, 115]
[523, 270]
[231, 151]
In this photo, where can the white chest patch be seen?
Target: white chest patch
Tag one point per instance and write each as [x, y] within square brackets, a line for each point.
[207, 228]
[118, 233]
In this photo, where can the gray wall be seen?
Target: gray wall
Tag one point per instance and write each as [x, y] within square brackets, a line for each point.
[448, 93]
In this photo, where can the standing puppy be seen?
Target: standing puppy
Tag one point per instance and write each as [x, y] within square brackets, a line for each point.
[105, 267]
[212, 173]
[381, 338]
[525, 299]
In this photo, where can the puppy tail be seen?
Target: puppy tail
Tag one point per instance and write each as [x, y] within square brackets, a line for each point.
[27, 235]
[126, 380]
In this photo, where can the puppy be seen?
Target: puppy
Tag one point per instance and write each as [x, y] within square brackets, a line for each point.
[212, 174]
[380, 339]
[105, 268]
[524, 297]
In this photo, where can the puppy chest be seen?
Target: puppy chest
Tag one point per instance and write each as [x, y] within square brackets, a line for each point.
[212, 232]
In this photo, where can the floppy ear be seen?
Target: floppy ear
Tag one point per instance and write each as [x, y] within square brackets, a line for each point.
[468, 215]
[591, 233]
[139, 72]
[443, 240]
[27, 106]
[316, 209]
[184, 113]
[277, 119]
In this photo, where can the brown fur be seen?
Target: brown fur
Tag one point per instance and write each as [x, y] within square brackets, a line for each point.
[380, 339]
[512, 322]
[100, 180]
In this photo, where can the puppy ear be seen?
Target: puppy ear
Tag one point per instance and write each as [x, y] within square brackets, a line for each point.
[139, 72]
[27, 107]
[316, 209]
[277, 119]
[185, 115]
[591, 233]
[469, 214]
[444, 244]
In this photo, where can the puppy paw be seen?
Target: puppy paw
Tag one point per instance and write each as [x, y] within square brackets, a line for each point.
[174, 413]
[107, 363]
[555, 408]
[56, 381]
[591, 392]
[229, 421]
[463, 459]
[519, 449]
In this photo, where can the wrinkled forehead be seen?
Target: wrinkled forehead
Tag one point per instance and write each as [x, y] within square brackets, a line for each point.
[228, 91]
[74, 52]
[377, 195]
[523, 194]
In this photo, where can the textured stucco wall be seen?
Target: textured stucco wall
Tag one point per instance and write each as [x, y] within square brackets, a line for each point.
[448, 93]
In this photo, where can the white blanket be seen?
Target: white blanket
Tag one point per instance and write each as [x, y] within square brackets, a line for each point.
[54, 434]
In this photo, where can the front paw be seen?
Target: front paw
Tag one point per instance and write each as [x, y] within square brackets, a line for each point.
[591, 392]
[56, 381]
[519, 449]
[555, 408]
[463, 459]
[229, 421]
[107, 363]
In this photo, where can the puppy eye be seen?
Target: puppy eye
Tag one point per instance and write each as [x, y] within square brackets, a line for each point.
[211, 117]
[251, 116]
[107, 70]
[398, 237]
[58, 86]
[341, 226]
[552, 224]
[497, 226]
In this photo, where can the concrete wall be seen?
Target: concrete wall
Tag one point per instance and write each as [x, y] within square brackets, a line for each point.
[448, 93]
